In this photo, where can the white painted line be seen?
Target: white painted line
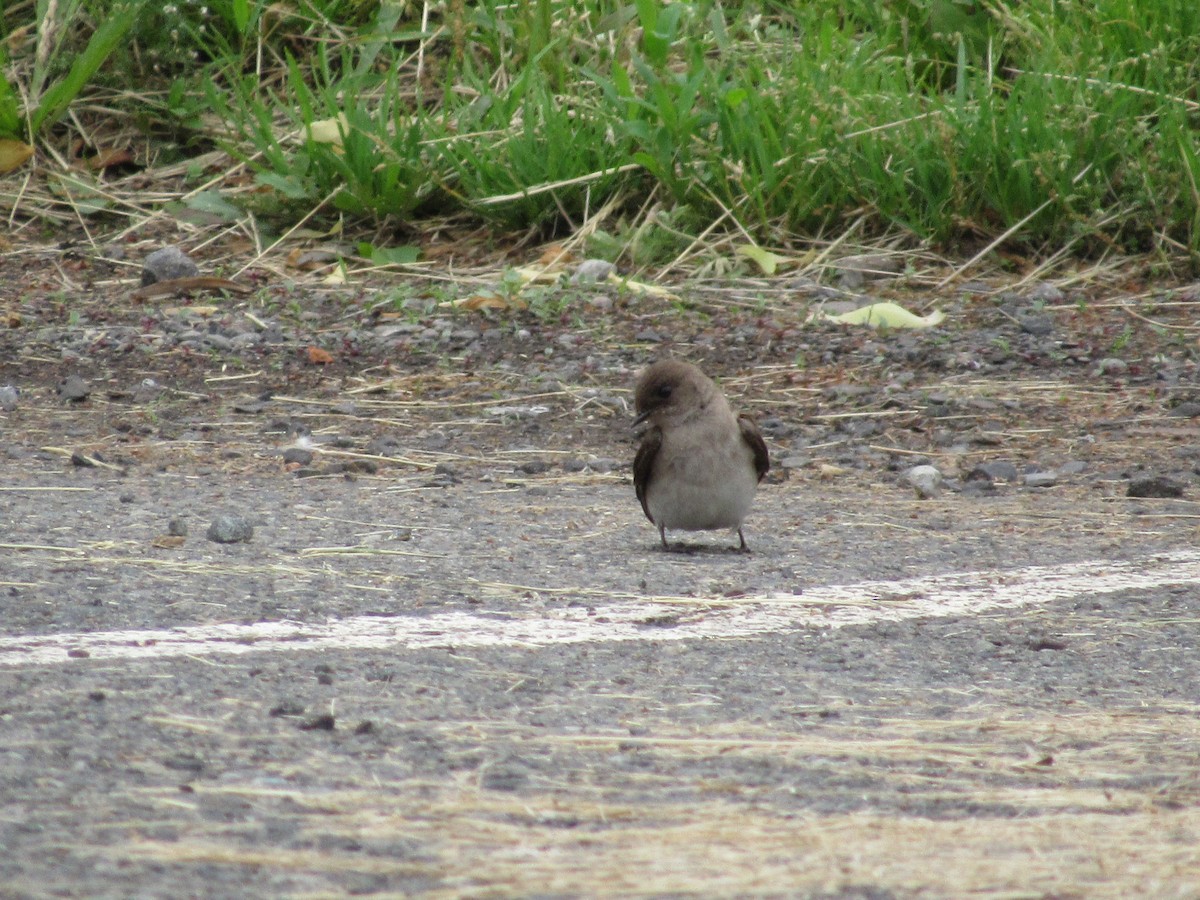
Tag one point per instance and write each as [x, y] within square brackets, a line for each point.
[834, 606]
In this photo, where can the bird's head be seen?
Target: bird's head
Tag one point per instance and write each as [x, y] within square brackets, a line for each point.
[671, 389]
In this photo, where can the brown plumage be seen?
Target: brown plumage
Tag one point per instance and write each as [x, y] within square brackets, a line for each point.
[699, 464]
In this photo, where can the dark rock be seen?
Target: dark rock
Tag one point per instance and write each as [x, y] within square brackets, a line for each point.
[298, 455]
[230, 530]
[534, 467]
[1189, 409]
[1155, 486]
[177, 527]
[998, 470]
[324, 722]
[167, 264]
[1035, 324]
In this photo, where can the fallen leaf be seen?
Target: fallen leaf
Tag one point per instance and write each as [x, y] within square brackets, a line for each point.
[168, 541]
[556, 256]
[313, 258]
[107, 159]
[766, 260]
[318, 357]
[328, 131]
[184, 285]
[889, 315]
[487, 301]
[13, 154]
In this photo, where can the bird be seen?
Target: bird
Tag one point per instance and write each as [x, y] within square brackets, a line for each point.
[699, 464]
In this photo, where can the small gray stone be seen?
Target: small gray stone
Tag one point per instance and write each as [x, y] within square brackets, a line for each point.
[230, 530]
[1112, 366]
[1035, 324]
[1041, 479]
[591, 271]
[74, 388]
[1044, 292]
[167, 264]
[9, 396]
[1155, 486]
[603, 464]
[534, 467]
[177, 527]
[926, 480]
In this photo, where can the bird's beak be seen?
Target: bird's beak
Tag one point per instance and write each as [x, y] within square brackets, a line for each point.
[641, 418]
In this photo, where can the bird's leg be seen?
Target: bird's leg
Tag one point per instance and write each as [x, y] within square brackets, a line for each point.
[741, 537]
[662, 536]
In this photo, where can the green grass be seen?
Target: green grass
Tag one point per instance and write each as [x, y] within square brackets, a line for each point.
[950, 121]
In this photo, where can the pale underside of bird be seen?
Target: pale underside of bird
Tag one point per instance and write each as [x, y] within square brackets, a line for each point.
[699, 463]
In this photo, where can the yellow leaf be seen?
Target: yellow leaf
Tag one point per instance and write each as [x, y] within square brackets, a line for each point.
[766, 260]
[13, 154]
[889, 315]
[328, 131]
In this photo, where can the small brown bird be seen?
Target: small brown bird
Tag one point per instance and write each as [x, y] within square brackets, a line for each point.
[699, 464]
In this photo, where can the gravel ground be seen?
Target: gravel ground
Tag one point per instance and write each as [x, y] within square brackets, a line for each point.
[399, 458]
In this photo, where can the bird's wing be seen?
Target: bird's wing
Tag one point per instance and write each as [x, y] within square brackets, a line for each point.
[643, 464]
[753, 437]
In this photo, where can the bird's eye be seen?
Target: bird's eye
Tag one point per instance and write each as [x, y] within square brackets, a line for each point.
[664, 391]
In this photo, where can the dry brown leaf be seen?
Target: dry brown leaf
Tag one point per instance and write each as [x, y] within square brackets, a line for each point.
[307, 260]
[557, 257]
[168, 541]
[488, 301]
[318, 357]
[183, 285]
[107, 159]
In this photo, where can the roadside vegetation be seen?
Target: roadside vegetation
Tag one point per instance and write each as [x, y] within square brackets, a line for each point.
[1042, 128]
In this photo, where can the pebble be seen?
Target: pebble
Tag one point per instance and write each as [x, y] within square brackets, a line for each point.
[166, 264]
[297, 455]
[1112, 366]
[534, 467]
[1041, 479]
[1154, 486]
[74, 388]
[228, 529]
[9, 396]
[1035, 324]
[591, 271]
[1189, 409]
[177, 527]
[1044, 292]
[926, 480]
[997, 470]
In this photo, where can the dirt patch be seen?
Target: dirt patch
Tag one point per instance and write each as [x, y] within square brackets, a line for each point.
[395, 456]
